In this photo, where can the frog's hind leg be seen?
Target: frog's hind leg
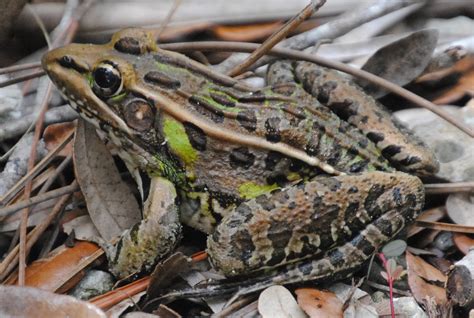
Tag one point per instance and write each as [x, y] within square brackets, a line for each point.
[346, 99]
[340, 261]
[310, 218]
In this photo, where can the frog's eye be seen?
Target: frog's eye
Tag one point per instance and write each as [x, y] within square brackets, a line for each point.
[107, 80]
[139, 115]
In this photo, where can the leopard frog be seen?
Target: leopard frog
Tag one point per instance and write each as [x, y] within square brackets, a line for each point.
[303, 176]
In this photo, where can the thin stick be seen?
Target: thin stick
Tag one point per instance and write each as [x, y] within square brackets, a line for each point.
[40, 166]
[276, 37]
[20, 67]
[22, 78]
[12, 258]
[167, 20]
[297, 55]
[38, 199]
[445, 226]
[29, 185]
[436, 188]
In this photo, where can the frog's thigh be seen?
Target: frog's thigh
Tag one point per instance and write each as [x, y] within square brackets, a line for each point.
[308, 218]
[155, 236]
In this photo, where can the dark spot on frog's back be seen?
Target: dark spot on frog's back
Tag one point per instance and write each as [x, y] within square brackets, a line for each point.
[411, 200]
[272, 159]
[205, 108]
[325, 91]
[353, 189]
[410, 160]
[361, 243]
[197, 137]
[241, 157]
[385, 226]
[375, 192]
[265, 202]
[247, 119]
[336, 153]
[246, 245]
[337, 258]
[397, 196]
[279, 234]
[391, 151]
[375, 136]
[272, 127]
[128, 45]
[222, 99]
[162, 80]
[359, 166]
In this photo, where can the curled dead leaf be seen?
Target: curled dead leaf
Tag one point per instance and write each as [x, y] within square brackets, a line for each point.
[424, 280]
[111, 205]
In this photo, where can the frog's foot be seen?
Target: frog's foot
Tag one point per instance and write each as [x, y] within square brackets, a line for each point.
[312, 217]
[153, 238]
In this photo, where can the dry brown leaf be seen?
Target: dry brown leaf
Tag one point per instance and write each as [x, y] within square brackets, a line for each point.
[463, 242]
[318, 303]
[62, 269]
[401, 61]
[32, 302]
[111, 205]
[54, 134]
[420, 274]
[465, 84]
[250, 32]
[165, 272]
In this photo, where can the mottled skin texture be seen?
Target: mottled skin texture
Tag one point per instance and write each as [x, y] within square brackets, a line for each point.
[257, 159]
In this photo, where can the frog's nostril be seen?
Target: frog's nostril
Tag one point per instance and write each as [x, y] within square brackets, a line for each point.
[66, 61]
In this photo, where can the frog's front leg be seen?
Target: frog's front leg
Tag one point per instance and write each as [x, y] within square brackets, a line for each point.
[150, 240]
[313, 217]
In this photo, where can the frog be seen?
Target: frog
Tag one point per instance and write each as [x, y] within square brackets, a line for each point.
[301, 180]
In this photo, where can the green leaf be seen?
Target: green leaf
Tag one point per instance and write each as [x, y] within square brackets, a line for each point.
[394, 248]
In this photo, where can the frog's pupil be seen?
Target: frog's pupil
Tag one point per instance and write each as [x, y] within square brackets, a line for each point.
[106, 78]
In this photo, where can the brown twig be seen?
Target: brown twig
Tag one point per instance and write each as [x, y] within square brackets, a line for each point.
[297, 55]
[29, 185]
[37, 199]
[40, 166]
[437, 188]
[12, 258]
[385, 288]
[445, 226]
[276, 37]
[167, 19]
[20, 67]
[22, 78]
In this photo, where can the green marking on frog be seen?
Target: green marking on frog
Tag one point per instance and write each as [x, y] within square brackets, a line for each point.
[165, 168]
[118, 98]
[212, 102]
[179, 142]
[249, 190]
[171, 69]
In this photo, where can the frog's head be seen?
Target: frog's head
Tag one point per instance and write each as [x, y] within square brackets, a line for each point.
[103, 84]
[99, 81]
